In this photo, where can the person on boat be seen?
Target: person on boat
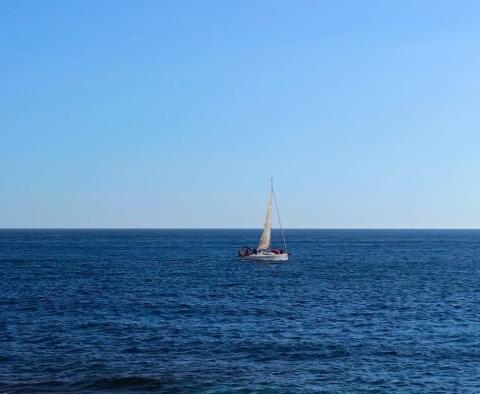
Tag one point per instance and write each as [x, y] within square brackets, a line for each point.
[254, 251]
[244, 252]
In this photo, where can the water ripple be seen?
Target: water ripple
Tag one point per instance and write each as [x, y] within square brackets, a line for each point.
[174, 311]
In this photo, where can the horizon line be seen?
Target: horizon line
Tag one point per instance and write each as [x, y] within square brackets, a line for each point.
[238, 228]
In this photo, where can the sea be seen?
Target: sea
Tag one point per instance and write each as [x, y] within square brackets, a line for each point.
[175, 311]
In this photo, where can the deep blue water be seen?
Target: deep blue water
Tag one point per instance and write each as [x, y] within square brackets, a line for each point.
[174, 311]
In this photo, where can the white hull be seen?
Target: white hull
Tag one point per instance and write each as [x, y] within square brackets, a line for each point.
[266, 256]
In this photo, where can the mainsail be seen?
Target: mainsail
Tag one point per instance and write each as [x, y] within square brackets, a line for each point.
[265, 241]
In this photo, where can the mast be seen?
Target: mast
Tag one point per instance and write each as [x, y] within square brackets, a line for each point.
[278, 214]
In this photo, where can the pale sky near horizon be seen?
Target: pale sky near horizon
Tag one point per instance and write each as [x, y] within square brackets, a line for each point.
[176, 113]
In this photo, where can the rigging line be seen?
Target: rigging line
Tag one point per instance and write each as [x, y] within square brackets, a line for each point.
[278, 215]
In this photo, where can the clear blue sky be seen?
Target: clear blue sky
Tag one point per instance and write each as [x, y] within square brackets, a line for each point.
[176, 113]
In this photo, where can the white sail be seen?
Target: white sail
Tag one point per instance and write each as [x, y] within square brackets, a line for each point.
[265, 241]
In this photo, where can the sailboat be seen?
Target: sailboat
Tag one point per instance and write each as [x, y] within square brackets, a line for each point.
[264, 251]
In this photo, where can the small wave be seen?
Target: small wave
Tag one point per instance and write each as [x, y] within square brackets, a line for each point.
[17, 261]
[127, 384]
[132, 383]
